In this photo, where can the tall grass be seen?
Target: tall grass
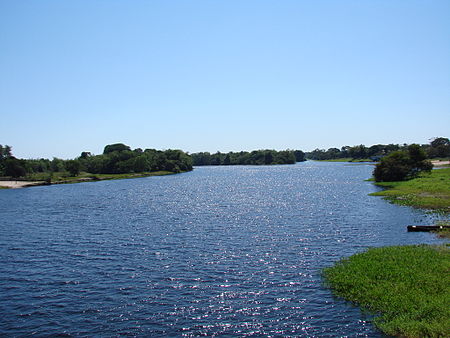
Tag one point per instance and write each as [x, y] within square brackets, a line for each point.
[407, 287]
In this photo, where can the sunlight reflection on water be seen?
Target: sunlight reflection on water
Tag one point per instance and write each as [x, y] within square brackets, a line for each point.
[221, 250]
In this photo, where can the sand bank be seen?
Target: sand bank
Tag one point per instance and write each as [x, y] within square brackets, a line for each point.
[19, 184]
[441, 163]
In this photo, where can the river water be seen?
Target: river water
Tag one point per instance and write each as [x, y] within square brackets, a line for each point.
[234, 250]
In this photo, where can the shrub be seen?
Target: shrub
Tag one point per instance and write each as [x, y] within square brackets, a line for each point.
[402, 165]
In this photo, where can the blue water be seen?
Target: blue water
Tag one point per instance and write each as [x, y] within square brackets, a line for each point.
[218, 251]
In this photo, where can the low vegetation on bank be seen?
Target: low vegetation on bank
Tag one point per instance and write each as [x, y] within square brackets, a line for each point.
[64, 177]
[428, 190]
[407, 288]
[348, 159]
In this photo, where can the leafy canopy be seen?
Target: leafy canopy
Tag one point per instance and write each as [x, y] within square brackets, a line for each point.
[402, 165]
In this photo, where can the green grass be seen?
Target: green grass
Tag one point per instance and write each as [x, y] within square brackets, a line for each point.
[445, 233]
[406, 287]
[347, 159]
[429, 191]
[64, 177]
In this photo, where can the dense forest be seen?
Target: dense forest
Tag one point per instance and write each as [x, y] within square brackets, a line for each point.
[116, 159]
[256, 157]
[438, 148]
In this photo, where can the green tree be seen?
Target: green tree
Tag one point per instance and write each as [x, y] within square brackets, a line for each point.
[439, 147]
[73, 167]
[402, 165]
[85, 154]
[57, 165]
[115, 147]
[268, 157]
[14, 167]
[141, 164]
[5, 152]
[299, 155]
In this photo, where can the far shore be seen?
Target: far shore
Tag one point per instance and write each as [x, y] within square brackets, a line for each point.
[84, 177]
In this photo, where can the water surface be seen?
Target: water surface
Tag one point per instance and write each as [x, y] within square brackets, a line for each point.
[232, 250]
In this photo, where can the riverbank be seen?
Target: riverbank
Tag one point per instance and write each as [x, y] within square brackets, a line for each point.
[347, 159]
[428, 191]
[441, 163]
[60, 178]
[19, 184]
[408, 286]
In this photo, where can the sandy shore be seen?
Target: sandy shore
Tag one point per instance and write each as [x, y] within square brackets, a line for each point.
[441, 163]
[19, 184]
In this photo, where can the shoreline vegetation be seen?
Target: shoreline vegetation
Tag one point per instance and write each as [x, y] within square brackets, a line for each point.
[60, 178]
[439, 147]
[428, 191]
[407, 287]
[348, 159]
[118, 161]
[256, 157]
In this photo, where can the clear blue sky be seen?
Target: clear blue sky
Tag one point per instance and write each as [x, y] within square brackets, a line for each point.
[221, 75]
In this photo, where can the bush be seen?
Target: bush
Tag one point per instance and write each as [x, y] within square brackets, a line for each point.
[402, 165]
[14, 167]
[73, 167]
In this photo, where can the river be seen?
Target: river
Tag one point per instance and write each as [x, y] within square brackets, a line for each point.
[231, 250]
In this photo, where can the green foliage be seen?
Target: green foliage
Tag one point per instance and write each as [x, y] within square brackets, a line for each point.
[9, 165]
[115, 147]
[136, 161]
[64, 177]
[14, 167]
[299, 156]
[429, 190]
[57, 164]
[359, 152]
[73, 167]
[445, 232]
[407, 286]
[439, 148]
[117, 159]
[256, 157]
[402, 165]
[5, 152]
[85, 154]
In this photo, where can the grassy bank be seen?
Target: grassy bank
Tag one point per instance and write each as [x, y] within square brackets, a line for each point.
[406, 287]
[346, 159]
[429, 191]
[84, 177]
[65, 178]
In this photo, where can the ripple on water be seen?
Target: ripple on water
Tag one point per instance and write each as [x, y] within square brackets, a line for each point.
[221, 250]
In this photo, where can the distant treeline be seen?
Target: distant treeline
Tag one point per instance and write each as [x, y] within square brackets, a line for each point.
[438, 148]
[256, 157]
[116, 159]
